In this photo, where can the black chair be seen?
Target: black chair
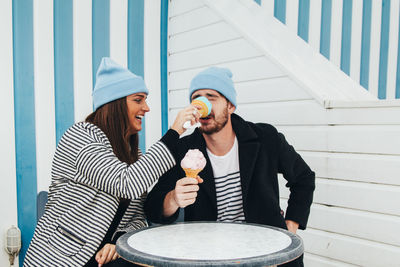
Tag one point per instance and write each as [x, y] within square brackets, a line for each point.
[41, 203]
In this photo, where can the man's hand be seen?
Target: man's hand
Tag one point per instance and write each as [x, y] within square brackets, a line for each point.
[106, 254]
[183, 195]
[292, 226]
[185, 191]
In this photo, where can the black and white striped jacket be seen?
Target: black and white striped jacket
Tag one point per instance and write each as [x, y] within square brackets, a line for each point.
[87, 182]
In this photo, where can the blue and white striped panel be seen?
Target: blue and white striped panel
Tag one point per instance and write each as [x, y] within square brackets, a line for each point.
[361, 37]
[164, 64]
[44, 89]
[24, 116]
[49, 53]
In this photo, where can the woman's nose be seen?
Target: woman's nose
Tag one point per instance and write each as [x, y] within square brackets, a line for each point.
[146, 107]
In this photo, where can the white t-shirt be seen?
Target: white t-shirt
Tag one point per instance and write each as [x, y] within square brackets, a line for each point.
[227, 185]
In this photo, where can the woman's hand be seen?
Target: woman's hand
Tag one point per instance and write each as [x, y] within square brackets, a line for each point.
[189, 113]
[106, 254]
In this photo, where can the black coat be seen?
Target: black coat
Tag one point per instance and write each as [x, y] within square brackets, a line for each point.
[263, 153]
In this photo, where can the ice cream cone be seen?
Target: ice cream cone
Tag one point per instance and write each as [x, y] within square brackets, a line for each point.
[202, 107]
[193, 163]
[191, 173]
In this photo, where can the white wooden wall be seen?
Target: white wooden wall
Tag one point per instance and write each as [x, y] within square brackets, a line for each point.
[198, 38]
[389, 69]
[354, 147]
[8, 190]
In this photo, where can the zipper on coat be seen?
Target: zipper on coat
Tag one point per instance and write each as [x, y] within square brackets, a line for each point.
[70, 235]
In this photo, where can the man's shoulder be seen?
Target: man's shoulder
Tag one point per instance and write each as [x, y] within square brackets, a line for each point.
[262, 128]
[258, 126]
[266, 135]
[265, 127]
[253, 130]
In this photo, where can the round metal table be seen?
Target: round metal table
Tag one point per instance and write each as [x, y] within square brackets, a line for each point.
[210, 244]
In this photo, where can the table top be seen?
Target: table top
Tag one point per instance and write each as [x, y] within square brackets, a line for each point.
[210, 244]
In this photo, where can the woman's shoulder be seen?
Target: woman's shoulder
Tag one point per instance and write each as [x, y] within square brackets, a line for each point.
[79, 136]
[85, 131]
[84, 126]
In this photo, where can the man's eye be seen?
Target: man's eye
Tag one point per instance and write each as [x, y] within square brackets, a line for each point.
[137, 100]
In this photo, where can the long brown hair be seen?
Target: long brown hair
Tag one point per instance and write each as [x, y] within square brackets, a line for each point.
[113, 120]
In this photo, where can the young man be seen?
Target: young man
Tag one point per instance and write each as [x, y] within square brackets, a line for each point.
[240, 179]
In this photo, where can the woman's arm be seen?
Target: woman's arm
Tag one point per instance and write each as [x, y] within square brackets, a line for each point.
[98, 167]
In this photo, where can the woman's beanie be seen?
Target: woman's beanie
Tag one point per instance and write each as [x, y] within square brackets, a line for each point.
[114, 81]
[218, 79]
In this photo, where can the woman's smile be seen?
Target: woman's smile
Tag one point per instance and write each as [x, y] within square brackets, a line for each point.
[139, 118]
[137, 108]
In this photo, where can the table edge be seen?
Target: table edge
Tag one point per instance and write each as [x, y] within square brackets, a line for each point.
[294, 250]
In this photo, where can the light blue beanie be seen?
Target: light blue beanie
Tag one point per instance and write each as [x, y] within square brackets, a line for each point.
[218, 79]
[114, 81]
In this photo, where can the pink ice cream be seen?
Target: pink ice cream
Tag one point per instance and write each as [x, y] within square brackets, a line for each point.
[194, 160]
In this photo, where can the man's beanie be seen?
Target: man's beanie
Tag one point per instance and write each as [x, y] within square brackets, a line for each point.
[113, 82]
[218, 79]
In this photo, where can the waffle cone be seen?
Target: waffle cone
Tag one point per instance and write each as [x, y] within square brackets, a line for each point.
[192, 173]
[203, 108]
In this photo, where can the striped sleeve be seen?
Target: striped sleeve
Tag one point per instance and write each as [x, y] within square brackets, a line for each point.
[86, 155]
[97, 166]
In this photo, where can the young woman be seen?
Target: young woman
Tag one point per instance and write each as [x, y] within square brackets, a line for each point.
[99, 177]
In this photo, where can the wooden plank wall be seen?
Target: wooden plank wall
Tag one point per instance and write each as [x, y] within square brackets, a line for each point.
[48, 55]
[361, 38]
[355, 151]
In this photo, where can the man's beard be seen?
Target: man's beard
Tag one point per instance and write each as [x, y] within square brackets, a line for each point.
[219, 124]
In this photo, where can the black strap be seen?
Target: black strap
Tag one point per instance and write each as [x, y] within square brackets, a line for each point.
[123, 205]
